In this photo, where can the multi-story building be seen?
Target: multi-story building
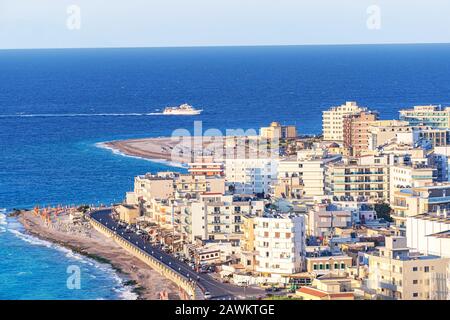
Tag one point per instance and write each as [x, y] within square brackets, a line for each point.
[324, 218]
[248, 253]
[158, 186]
[365, 178]
[220, 217]
[416, 201]
[166, 213]
[165, 185]
[440, 159]
[206, 168]
[309, 167]
[429, 233]
[333, 120]
[356, 131]
[437, 137]
[194, 184]
[288, 187]
[278, 131]
[433, 116]
[408, 176]
[250, 176]
[279, 244]
[397, 273]
[383, 131]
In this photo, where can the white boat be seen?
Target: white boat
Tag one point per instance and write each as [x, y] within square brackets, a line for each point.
[183, 110]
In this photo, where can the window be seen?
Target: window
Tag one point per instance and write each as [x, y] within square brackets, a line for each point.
[414, 269]
[415, 294]
[427, 269]
[415, 281]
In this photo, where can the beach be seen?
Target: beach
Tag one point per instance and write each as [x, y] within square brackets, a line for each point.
[86, 241]
[179, 151]
[155, 149]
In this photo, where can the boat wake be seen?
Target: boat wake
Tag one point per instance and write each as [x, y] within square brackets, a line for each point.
[67, 115]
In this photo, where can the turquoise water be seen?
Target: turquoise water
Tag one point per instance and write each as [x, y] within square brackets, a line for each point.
[55, 105]
[35, 269]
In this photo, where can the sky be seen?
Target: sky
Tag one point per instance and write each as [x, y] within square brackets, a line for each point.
[173, 23]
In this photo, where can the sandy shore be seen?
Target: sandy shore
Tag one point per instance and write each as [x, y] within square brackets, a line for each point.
[179, 151]
[86, 241]
[155, 149]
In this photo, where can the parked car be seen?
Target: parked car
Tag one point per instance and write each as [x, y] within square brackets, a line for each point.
[207, 295]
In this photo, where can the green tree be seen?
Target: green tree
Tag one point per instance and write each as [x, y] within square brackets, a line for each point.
[383, 210]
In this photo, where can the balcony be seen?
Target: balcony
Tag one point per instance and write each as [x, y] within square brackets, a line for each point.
[439, 200]
[388, 286]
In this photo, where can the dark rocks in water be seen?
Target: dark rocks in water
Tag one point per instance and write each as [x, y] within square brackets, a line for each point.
[16, 212]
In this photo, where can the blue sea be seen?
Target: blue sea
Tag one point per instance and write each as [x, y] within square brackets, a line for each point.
[56, 105]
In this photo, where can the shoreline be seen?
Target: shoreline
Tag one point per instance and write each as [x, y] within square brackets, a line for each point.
[135, 275]
[179, 151]
[119, 147]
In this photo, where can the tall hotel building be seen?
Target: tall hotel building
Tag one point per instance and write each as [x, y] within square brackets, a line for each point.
[363, 178]
[279, 244]
[333, 120]
[433, 116]
[356, 131]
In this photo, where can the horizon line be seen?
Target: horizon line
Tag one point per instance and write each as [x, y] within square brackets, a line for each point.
[234, 46]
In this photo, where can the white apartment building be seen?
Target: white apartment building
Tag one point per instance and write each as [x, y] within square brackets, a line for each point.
[250, 176]
[409, 176]
[309, 168]
[333, 120]
[426, 200]
[429, 233]
[433, 116]
[384, 131]
[279, 244]
[220, 217]
[363, 179]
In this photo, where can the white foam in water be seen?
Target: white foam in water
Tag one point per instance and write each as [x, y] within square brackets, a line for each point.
[30, 239]
[124, 292]
[3, 219]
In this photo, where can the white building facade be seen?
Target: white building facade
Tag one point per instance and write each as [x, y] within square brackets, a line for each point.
[251, 176]
[279, 244]
[333, 120]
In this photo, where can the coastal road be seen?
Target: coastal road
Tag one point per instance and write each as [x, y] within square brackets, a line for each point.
[217, 289]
